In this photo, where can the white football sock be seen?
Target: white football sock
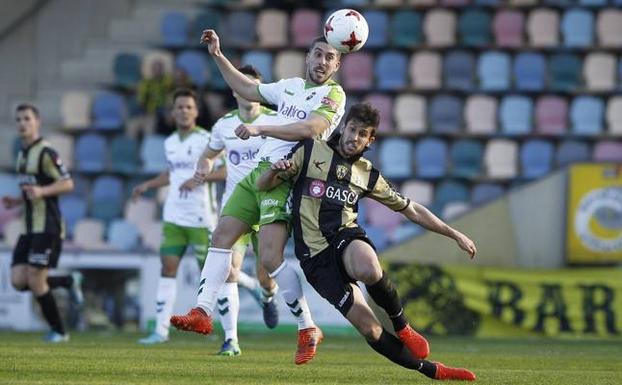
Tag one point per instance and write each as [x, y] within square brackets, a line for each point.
[291, 290]
[165, 300]
[247, 282]
[229, 308]
[213, 276]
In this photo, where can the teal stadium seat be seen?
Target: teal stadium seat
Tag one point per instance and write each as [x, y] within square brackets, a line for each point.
[124, 155]
[127, 70]
[406, 29]
[474, 28]
[564, 72]
[107, 198]
[466, 158]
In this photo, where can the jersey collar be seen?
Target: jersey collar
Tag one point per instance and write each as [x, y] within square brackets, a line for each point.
[183, 137]
[262, 110]
[329, 82]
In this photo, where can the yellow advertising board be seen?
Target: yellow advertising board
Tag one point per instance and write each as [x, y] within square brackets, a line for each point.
[594, 214]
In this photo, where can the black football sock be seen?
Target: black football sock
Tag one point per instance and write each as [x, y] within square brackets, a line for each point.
[60, 281]
[392, 348]
[385, 295]
[50, 312]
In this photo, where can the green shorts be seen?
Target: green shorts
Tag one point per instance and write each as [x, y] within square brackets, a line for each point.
[258, 207]
[175, 240]
[246, 239]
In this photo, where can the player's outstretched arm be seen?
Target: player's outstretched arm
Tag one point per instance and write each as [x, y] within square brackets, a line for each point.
[310, 128]
[238, 82]
[158, 181]
[424, 217]
[272, 178]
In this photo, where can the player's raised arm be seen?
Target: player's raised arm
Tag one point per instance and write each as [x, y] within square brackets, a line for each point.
[238, 82]
[272, 177]
[310, 128]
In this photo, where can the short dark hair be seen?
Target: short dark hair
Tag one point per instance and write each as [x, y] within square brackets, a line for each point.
[320, 39]
[250, 70]
[186, 93]
[365, 114]
[28, 106]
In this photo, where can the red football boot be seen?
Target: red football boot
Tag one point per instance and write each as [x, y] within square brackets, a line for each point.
[308, 340]
[196, 321]
[415, 342]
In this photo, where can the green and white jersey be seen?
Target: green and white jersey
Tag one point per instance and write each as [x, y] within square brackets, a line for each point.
[241, 154]
[198, 207]
[296, 100]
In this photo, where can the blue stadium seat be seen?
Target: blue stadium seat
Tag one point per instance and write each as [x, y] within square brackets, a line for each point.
[209, 18]
[127, 70]
[73, 207]
[174, 29]
[378, 236]
[594, 3]
[449, 191]
[124, 154]
[536, 158]
[396, 157]
[406, 232]
[90, 153]
[81, 185]
[390, 70]
[485, 192]
[571, 151]
[577, 28]
[378, 22]
[586, 115]
[216, 81]
[459, 70]
[9, 185]
[445, 114]
[240, 29]
[494, 71]
[108, 111]
[406, 29]
[529, 71]
[466, 158]
[262, 61]
[152, 154]
[564, 72]
[516, 115]
[488, 2]
[474, 28]
[431, 158]
[123, 235]
[107, 198]
[194, 63]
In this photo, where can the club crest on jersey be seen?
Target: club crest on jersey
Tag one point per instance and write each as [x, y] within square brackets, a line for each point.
[311, 95]
[341, 171]
[317, 188]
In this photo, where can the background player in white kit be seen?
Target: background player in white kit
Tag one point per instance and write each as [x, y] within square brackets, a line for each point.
[308, 108]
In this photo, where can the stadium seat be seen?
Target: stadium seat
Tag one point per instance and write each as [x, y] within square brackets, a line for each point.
[194, 63]
[488, 2]
[272, 28]
[453, 210]
[357, 71]
[122, 235]
[216, 81]
[425, 70]
[9, 185]
[431, 157]
[89, 235]
[378, 22]
[75, 110]
[439, 28]
[485, 192]
[586, 115]
[466, 158]
[174, 29]
[381, 216]
[384, 104]
[209, 18]
[409, 113]
[391, 71]
[536, 158]
[449, 191]
[474, 28]
[600, 71]
[529, 71]
[81, 185]
[73, 208]
[593, 3]
[108, 111]
[262, 61]
[305, 25]
[406, 29]
[418, 191]
[288, 64]
[141, 211]
[106, 198]
[166, 58]
[608, 151]
[578, 28]
[542, 28]
[454, 3]
[609, 28]
[152, 154]
[523, 3]
[614, 115]
[422, 3]
[7, 216]
[378, 236]
[396, 157]
[508, 27]
[480, 114]
[64, 146]
[240, 27]
[90, 153]
[458, 70]
[406, 232]
[124, 156]
[551, 115]
[494, 71]
[571, 152]
[126, 70]
[445, 114]
[151, 235]
[12, 231]
[500, 158]
[564, 72]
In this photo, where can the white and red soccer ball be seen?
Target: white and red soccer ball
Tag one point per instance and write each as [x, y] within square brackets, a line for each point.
[346, 30]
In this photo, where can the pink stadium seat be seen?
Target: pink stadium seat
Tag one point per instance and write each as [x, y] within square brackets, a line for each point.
[551, 115]
[425, 70]
[272, 28]
[384, 104]
[609, 28]
[543, 28]
[409, 113]
[381, 216]
[608, 151]
[480, 114]
[288, 64]
[439, 27]
[508, 27]
[418, 191]
[305, 25]
[357, 71]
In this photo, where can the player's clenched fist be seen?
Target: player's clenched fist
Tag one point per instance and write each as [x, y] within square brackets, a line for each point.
[281, 165]
[245, 131]
[210, 38]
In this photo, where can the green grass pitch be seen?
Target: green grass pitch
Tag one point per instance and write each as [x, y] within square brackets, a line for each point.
[111, 358]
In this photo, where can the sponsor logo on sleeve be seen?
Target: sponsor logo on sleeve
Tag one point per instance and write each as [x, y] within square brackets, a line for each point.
[330, 103]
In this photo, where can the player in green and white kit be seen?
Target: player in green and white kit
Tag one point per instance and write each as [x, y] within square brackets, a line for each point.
[189, 215]
[308, 108]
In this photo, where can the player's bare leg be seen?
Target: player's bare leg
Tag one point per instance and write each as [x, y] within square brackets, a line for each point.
[269, 289]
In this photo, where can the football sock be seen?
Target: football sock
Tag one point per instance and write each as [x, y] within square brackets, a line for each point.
[385, 295]
[389, 346]
[50, 312]
[246, 281]
[291, 290]
[60, 281]
[268, 295]
[213, 276]
[229, 308]
[165, 300]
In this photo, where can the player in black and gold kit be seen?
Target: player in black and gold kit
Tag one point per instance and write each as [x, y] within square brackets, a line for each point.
[42, 178]
[334, 252]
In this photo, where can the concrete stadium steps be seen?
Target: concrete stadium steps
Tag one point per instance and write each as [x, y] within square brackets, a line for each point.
[144, 25]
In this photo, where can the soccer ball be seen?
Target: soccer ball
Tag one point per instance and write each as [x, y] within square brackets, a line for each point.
[346, 30]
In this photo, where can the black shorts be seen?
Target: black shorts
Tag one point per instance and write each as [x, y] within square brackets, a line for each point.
[40, 250]
[327, 274]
